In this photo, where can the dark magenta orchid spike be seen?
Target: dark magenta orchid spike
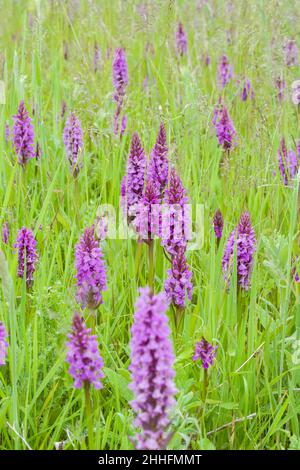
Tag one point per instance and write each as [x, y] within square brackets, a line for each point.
[23, 135]
[181, 40]
[159, 165]
[178, 286]
[90, 271]
[83, 356]
[132, 186]
[148, 216]
[291, 53]
[244, 237]
[280, 85]
[120, 81]
[225, 130]
[119, 72]
[288, 163]
[152, 372]
[206, 352]
[27, 254]
[247, 91]
[73, 140]
[218, 223]
[174, 233]
[225, 72]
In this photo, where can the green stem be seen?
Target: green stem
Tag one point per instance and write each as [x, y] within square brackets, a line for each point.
[151, 264]
[205, 384]
[28, 307]
[178, 317]
[92, 320]
[77, 200]
[88, 409]
[138, 259]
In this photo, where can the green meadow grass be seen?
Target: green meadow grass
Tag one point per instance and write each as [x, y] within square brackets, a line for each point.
[253, 397]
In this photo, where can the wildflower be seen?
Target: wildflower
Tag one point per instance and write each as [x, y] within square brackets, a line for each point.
[247, 91]
[123, 124]
[101, 226]
[292, 163]
[244, 237]
[96, 57]
[206, 352]
[291, 53]
[134, 182]
[27, 254]
[218, 223]
[3, 344]
[178, 285]
[5, 232]
[181, 40]
[90, 271]
[207, 60]
[148, 215]
[120, 73]
[73, 142]
[152, 372]
[23, 135]
[281, 86]
[85, 361]
[175, 201]
[7, 132]
[287, 163]
[225, 72]
[296, 92]
[120, 81]
[282, 158]
[159, 165]
[225, 131]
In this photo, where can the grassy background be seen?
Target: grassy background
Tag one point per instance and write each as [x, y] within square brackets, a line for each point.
[254, 386]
